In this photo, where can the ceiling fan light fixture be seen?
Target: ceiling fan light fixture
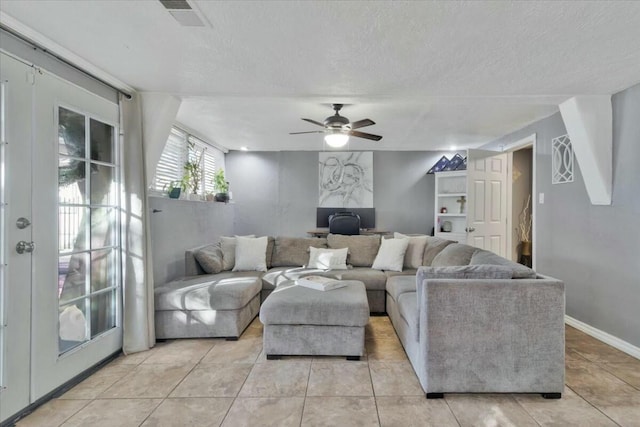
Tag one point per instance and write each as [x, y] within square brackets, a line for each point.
[336, 140]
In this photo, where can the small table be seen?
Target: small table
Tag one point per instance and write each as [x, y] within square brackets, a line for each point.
[324, 232]
[303, 321]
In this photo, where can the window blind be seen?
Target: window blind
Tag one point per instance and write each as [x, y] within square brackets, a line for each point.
[181, 147]
[170, 166]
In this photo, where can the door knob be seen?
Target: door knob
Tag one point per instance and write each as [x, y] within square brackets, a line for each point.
[469, 229]
[23, 247]
[22, 222]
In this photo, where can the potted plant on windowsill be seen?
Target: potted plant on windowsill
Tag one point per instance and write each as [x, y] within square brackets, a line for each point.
[192, 177]
[175, 188]
[221, 186]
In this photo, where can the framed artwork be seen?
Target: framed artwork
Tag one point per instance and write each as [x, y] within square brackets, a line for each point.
[346, 179]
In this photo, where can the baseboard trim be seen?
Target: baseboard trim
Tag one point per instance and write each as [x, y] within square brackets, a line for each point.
[603, 336]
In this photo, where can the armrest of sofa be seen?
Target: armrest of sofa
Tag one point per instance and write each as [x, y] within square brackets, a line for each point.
[492, 335]
[191, 265]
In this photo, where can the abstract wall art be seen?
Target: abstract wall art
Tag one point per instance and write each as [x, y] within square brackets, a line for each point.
[346, 179]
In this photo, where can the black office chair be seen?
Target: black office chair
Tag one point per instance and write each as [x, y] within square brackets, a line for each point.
[344, 223]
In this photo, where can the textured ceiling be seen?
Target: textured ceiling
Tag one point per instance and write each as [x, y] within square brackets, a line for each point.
[431, 74]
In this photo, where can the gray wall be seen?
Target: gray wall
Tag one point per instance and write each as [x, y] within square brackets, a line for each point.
[594, 249]
[183, 225]
[276, 193]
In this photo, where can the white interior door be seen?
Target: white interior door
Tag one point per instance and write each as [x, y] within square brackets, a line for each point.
[487, 201]
[61, 296]
[15, 203]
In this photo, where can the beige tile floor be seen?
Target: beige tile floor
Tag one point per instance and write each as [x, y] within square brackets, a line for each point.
[212, 382]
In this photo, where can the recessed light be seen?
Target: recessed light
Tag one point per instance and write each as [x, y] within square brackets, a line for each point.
[452, 148]
[244, 148]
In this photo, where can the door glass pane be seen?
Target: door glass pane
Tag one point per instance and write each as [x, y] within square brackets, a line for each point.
[72, 235]
[101, 141]
[72, 276]
[103, 227]
[103, 185]
[72, 325]
[103, 312]
[71, 133]
[103, 269]
[71, 180]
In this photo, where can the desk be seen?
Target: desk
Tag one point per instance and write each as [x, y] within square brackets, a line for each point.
[323, 232]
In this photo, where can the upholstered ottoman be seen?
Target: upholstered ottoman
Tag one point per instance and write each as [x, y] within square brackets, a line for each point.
[303, 321]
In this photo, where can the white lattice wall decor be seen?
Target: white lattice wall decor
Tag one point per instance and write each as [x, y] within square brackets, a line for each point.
[561, 160]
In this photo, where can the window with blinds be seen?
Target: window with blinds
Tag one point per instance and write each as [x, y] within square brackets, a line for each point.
[170, 166]
[181, 147]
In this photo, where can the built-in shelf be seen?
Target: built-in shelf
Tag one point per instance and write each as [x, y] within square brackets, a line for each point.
[450, 188]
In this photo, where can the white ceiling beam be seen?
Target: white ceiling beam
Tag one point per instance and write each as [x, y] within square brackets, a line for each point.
[589, 123]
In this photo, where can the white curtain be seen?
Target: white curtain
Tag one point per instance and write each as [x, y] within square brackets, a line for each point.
[138, 303]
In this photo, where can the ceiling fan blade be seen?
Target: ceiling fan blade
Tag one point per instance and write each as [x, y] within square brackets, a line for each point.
[364, 135]
[312, 131]
[362, 123]
[314, 122]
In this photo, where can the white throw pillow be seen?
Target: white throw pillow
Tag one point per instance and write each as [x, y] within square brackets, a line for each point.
[328, 259]
[415, 250]
[228, 246]
[391, 254]
[251, 254]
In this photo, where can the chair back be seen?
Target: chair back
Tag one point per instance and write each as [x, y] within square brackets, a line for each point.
[344, 223]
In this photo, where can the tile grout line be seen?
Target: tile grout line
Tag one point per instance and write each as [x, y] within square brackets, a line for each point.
[525, 410]
[450, 410]
[591, 404]
[604, 367]
[174, 387]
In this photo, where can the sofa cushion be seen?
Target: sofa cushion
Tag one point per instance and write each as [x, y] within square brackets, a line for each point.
[519, 271]
[209, 258]
[374, 280]
[408, 309]
[296, 305]
[398, 285]
[293, 251]
[270, 244]
[454, 254]
[223, 291]
[415, 251]
[391, 254]
[251, 254]
[327, 259]
[464, 272]
[434, 246]
[362, 249]
[404, 272]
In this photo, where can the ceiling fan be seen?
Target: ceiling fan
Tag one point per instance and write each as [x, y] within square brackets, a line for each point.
[337, 128]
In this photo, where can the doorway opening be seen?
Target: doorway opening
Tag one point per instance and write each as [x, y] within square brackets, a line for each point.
[521, 205]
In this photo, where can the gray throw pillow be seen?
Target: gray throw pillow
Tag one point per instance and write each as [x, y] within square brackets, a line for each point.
[434, 246]
[454, 254]
[209, 258]
[520, 271]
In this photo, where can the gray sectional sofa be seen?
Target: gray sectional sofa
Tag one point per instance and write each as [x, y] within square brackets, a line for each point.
[469, 320]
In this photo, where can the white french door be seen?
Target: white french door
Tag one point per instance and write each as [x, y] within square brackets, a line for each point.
[63, 282]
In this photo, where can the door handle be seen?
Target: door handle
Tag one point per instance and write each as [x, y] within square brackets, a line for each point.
[23, 247]
[22, 223]
[469, 229]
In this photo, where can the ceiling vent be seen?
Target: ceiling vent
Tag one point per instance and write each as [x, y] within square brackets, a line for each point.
[182, 12]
